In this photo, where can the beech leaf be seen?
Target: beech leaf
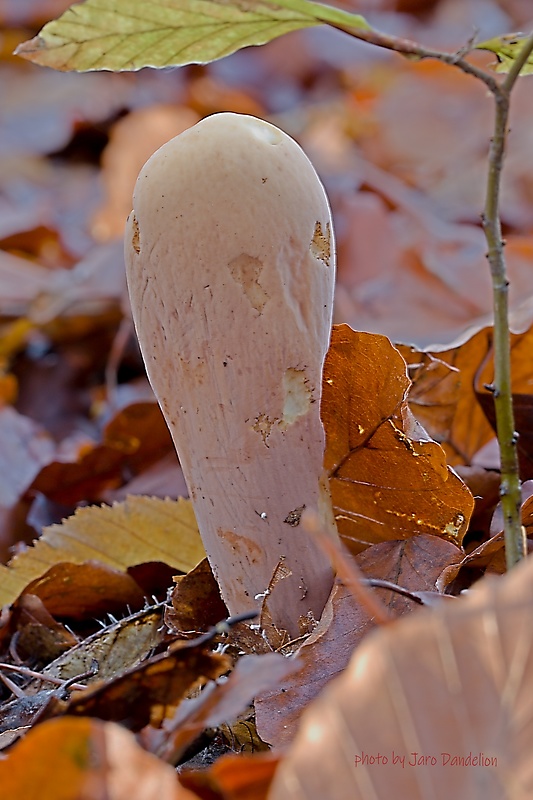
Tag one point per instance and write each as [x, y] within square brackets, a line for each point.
[387, 479]
[139, 530]
[437, 705]
[86, 758]
[123, 35]
[415, 564]
[506, 49]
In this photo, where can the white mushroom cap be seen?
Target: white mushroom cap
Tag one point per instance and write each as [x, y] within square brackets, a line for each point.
[231, 267]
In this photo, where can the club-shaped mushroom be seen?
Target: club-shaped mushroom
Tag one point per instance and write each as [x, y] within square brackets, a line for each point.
[231, 267]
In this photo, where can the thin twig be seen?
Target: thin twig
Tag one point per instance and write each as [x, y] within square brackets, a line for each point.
[379, 583]
[417, 52]
[514, 533]
[515, 536]
[30, 673]
[347, 570]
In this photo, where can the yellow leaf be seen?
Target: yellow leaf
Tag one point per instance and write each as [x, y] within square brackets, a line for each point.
[506, 49]
[139, 530]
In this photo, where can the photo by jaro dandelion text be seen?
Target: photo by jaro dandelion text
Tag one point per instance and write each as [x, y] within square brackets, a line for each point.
[415, 759]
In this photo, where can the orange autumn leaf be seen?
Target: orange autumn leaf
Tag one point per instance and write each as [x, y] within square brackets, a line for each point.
[387, 479]
[71, 759]
[450, 398]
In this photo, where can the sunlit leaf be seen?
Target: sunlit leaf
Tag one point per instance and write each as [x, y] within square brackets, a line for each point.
[139, 530]
[506, 49]
[387, 479]
[443, 697]
[130, 34]
[119, 646]
[79, 591]
[237, 776]
[74, 758]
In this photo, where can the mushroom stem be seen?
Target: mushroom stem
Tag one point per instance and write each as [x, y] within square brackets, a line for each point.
[231, 267]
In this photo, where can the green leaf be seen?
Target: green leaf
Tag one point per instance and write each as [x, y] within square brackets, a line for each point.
[506, 49]
[130, 34]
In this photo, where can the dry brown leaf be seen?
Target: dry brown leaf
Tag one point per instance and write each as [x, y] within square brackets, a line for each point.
[435, 706]
[411, 254]
[79, 591]
[219, 703]
[149, 692]
[387, 480]
[448, 383]
[489, 556]
[85, 759]
[414, 136]
[139, 530]
[415, 564]
[119, 646]
[135, 438]
[400, 275]
[234, 777]
[196, 601]
[39, 637]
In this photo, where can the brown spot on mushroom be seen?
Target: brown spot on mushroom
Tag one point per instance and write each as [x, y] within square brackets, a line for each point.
[297, 396]
[243, 545]
[321, 243]
[263, 425]
[293, 517]
[246, 271]
[136, 237]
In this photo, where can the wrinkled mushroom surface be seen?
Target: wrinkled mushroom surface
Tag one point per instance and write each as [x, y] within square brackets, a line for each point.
[231, 266]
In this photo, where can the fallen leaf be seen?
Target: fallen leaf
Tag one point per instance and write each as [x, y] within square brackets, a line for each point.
[73, 759]
[234, 777]
[24, 448]
[448, 383]
[134, 439]
[436, 705]
[387, 480]
[150, 692]
[523, 414]
[38, 635]
[489, 556]
[219, 703]
[118, 647]
[81, 591]
[196, 601]
[139, 530]
[415, 564]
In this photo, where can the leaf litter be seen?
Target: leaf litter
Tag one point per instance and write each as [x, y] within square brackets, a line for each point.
[74, 432]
